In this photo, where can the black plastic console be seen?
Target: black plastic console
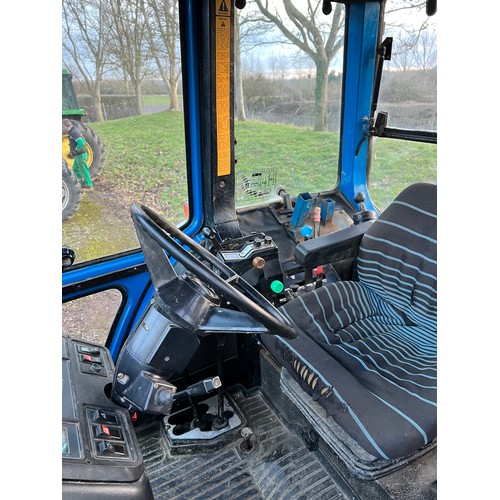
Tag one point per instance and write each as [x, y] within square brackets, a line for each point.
[325, 248]
[100, 454]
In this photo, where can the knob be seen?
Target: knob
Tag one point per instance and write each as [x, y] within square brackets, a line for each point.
[95, 367]
[258, 262]
[360, 199]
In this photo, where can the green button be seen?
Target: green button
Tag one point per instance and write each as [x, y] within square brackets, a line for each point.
[277, 286]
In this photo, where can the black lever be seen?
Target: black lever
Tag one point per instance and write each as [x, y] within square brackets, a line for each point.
[384, 52]
[199, 389]
[363, 215]
[212, 235]
[360, 198]
[221, 421]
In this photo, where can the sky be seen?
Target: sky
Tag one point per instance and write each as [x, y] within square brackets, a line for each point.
[411, 19]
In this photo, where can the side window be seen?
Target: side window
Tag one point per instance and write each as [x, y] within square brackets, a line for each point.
[408, 93]
[131, 119]
[96, 312]
[397, 164]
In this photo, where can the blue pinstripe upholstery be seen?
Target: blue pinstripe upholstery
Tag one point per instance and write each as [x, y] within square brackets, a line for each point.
[367, 348]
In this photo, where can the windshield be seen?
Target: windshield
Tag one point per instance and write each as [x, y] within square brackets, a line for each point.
[69, 101]
[288, 88]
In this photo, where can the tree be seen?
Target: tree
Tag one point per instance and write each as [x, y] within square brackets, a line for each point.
[239, 101]
[278, 65]
[414, 38]
[85, 43]
[130, 48]
[249, 31]
[163, 37]
[403, 54]
[426, 53]
[320, 40]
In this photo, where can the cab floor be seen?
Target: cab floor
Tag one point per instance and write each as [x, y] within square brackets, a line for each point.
[279, 466]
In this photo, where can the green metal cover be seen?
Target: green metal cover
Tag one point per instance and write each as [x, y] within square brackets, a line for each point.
[70, 105]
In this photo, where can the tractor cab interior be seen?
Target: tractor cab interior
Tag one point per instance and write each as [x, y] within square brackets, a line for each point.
[364, 349]
[281, 350]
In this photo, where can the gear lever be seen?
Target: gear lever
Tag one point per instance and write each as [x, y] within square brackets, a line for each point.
[221, 420]
[363, 215]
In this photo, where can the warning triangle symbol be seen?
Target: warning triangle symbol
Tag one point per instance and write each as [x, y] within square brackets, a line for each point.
[223, 7]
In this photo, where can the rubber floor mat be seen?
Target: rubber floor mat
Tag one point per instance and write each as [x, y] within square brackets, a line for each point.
[279, 466]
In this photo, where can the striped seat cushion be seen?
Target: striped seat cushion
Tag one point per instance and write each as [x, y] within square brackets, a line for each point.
[367, 349]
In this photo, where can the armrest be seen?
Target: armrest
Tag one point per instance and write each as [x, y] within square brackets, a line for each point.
[320, 250]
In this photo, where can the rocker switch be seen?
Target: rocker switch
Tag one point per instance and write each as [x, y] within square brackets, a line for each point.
[101, 416]
[87, 358]
[107, 449]
[105, 432]
[88, 349]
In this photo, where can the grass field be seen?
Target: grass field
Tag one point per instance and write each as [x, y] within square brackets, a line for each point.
[146, 164]
[148, 153]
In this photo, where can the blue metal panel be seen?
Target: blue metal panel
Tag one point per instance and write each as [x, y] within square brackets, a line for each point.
[133, 291]
[191, 69]
[361, 42]
[137, 289]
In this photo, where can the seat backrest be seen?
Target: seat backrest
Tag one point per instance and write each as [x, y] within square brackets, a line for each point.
[397, 256]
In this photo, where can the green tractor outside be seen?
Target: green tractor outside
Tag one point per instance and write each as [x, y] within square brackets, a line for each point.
[71, 191]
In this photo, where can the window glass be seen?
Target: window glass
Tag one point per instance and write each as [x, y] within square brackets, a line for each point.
[97, 312]
[397, 164]
[287, 99]
[133, 127]
[408, 91]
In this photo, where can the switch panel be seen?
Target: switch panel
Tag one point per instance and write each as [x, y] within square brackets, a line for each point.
[99, 446]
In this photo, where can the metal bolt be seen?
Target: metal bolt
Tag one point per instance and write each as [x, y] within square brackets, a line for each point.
[246, 444]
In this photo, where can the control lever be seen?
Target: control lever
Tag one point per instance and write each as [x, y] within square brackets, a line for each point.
[360, 199]
[199, 389]
[212, 235]
[363, 215]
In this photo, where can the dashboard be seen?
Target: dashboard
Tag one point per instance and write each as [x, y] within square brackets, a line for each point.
[100, 454]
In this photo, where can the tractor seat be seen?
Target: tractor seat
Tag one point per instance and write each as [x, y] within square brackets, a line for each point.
[366, 350]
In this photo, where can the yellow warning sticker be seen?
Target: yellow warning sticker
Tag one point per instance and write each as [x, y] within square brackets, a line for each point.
[223, 7]
[223, 85]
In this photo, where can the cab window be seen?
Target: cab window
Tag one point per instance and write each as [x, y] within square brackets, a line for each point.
[408, 93]
[133, 123]
[288, 93]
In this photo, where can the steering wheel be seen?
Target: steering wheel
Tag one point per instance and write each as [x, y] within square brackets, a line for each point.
[158, 236]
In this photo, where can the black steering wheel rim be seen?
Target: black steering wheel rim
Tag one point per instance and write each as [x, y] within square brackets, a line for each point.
[229, 285]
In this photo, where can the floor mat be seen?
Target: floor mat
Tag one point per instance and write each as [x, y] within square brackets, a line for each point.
[279, 466]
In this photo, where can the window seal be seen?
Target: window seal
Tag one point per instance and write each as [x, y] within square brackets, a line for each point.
[410, 135]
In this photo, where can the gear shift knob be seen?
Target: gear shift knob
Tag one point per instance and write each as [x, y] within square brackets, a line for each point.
[360, 199]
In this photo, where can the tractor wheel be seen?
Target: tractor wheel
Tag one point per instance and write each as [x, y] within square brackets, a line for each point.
[71, 192]
[95, 149]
